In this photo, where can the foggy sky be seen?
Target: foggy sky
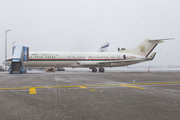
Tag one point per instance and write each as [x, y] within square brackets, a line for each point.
[85, 25]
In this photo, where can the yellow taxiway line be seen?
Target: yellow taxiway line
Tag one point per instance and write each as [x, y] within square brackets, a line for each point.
[82, 87]
[155, 83]
[32, 90]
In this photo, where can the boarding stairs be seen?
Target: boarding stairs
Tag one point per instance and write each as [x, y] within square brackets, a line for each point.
[20, 54]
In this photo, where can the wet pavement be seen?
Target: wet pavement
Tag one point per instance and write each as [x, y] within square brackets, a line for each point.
[83, 95]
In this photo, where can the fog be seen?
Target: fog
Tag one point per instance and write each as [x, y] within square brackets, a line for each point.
[85, 25]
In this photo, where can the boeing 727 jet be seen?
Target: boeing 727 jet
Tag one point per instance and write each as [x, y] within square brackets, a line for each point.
[93, 60]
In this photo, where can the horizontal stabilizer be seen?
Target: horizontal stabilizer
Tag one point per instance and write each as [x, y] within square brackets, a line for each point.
[157, 40]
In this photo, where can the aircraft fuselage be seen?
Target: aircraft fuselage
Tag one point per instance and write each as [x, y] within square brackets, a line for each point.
[75, 59]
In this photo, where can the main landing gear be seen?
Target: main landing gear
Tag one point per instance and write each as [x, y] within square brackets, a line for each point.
[94, 69]
[100, 69]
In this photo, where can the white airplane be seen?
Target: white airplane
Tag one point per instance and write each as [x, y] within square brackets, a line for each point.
[94, 60]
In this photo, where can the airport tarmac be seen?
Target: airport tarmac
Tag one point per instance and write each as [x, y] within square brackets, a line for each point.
[83, 95]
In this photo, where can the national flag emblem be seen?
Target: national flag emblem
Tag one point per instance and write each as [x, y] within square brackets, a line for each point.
[142, 49]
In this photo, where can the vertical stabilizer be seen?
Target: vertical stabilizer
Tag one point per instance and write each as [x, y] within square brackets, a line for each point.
[104, 47]
[144, 48]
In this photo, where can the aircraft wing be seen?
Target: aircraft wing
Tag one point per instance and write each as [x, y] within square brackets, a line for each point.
[88, 63]
[110, 63]
[122, 62]
[115, 62]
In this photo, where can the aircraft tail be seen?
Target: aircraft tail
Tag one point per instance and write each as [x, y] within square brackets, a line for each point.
[104, 47]
[144, 48]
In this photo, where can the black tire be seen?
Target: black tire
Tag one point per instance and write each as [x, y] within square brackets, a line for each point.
[94, 70]
[101, 70]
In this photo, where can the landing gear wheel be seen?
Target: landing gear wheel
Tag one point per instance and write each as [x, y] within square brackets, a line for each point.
[94, 69]
[101, 69]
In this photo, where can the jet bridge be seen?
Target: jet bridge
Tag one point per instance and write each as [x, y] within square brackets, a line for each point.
[20, 54]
